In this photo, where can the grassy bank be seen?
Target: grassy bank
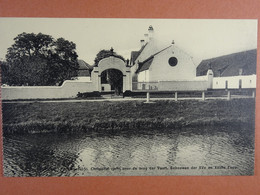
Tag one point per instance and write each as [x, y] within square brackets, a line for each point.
[130, 115]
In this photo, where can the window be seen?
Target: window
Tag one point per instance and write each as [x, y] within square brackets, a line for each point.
[240, 71]
[173, 61]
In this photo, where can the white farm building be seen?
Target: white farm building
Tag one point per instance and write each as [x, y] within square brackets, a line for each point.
[169, 68]
[155, 67]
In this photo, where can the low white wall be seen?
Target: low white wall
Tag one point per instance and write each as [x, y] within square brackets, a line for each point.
[195, 85]
[145, 86]
[69, 89]
[107, 87]
[247, 81]
[201, 78]
[83, 79]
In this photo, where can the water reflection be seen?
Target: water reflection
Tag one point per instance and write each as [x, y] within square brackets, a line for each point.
[153, 154]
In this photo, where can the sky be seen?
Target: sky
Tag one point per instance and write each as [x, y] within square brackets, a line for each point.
[200, 38]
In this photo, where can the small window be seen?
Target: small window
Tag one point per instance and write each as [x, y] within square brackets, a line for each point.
[217, 83]
[173, 61]
[240, 71]
[103, 88]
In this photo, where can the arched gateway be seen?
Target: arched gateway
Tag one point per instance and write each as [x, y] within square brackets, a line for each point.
[111, 62]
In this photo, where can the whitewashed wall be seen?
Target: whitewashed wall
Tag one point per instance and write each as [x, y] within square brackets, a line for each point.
[83, 79]
[143, 76]
[248, 81]
[193, 85]
[106, 87]
[69, 89]
[160, 70]
[111, 63]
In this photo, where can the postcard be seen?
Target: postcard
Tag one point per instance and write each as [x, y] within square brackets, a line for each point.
[128, 97]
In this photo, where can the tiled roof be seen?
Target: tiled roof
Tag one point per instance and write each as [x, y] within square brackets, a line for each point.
[135, 54]
[84, 68]
[229, 65]
[84, 65]
[145, 65]
[84, 73]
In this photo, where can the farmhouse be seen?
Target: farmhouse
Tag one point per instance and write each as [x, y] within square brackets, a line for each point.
[233, 71]
[159, 62]
[156, 66]
[163, 67]
[168, 68]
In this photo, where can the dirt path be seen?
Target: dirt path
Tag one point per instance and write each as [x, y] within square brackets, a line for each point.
[124, 99]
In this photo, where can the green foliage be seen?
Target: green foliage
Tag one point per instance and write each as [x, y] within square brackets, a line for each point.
[4, 71]
[106, 53]
[38, 59]
[18, 74]
[89, 94]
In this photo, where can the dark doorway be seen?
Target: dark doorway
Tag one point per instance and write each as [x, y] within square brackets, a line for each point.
[226, 85]
[143, 86]
[114, 78]
[240, 83]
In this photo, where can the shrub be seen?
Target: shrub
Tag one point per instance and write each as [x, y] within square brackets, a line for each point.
[89, 94]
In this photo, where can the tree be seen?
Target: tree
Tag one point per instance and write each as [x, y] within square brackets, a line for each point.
[114, 77]
[29, 45]
[38, 59]
[106, 53]
[18, 74]
[4, 71]
[63, 61]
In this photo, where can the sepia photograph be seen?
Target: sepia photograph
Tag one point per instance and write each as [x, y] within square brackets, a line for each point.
[128, 97]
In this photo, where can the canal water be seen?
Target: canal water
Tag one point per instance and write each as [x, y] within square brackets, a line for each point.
[188, 151]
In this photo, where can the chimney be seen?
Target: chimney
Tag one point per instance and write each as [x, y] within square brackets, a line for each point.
[146, 39]
[142, 43]
[150, 31]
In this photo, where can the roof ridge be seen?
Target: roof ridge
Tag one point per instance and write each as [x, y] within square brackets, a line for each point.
[230, 54]
[141, 50]
[87, 65]
[228, 65]
[151, 56]
[145, 65]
